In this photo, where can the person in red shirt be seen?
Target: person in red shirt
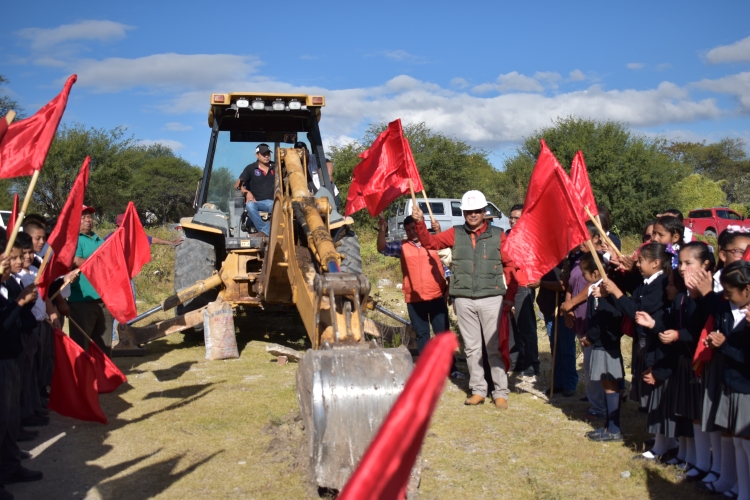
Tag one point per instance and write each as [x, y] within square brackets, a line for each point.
[424, 285]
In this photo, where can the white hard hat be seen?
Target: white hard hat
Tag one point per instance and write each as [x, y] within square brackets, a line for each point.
[473, 200]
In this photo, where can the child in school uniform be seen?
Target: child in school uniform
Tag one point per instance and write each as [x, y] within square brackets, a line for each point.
[668, 230]
[32, 413]
[731, 352]
[603, 332]
[574, 312]
[649, 297]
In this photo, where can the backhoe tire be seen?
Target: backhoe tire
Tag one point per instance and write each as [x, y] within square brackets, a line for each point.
[194, 260]
[347, 244]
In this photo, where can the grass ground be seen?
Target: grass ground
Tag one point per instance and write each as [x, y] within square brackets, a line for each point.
[184, 427]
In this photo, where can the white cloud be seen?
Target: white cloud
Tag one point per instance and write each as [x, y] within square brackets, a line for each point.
[459, 82]
[576, 76]
[177, 127]
[516, 81]
[635, 66]
[737, 85]
[550, 78]
[164, 71]
[42, 39]
[173, 145]
[663, 67]
[403, 56]
[737, 52]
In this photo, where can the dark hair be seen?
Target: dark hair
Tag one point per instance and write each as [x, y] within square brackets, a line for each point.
[649, 223]
[604, 217]
[517, 206]
[736, 274]
[675, 213]
[672, 224]
[33, 223]
[39, 218]
[593, 231]
[408, 220]
[702, 253]
[728, 237]
[657, 251]
[24, 240]
[588, 263]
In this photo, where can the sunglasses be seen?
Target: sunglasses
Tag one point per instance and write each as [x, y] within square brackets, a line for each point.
[469, 212]
[646, 237]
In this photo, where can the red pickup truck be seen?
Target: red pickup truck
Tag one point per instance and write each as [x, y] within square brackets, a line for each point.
[712, 221]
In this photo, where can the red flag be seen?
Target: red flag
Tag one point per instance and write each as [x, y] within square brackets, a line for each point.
[383, 472]
[3, 127]
[582, 185]
[384, 172]
[111, 267]
[531, 244]
[26, 142]
[74, 390]
[703, 353]
[108, 376]
[13, 217]
[64, 238]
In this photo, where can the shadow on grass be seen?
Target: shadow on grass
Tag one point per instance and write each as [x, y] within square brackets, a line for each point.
[173, 373]
[68, 465]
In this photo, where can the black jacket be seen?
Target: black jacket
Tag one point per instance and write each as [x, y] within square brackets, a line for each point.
[604, 324]
[734, 353]
[27, 320]
[10, 329]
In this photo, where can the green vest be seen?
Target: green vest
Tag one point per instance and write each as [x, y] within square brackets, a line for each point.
[477, 272]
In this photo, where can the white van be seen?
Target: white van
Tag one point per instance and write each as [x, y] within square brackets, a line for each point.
[447, 211]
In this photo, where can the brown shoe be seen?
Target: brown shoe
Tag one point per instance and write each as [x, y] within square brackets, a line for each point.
[474, 400]
[501, 404]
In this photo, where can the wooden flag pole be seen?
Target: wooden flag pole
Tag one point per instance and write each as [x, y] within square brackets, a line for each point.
[413, 197]
[66, 282]
[22, 213]
[554, 347]
[599, 266]
[47, 256]
[429, 208]
[603, 232]
[10, 117]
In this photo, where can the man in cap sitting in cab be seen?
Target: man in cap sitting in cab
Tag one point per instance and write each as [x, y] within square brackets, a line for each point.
[258, 182]
[477, 287]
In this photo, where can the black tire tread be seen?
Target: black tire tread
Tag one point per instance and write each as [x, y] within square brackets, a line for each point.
[347, 244]
[194, 260]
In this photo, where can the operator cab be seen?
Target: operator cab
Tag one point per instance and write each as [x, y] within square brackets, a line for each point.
[239, 123]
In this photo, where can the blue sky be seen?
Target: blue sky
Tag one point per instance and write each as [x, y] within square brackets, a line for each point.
[488, 73]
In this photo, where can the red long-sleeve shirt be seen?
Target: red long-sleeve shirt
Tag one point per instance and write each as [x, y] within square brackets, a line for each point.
[514, 276]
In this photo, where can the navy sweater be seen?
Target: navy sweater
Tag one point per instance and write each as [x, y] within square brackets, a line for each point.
[735, 351]
[604, 324]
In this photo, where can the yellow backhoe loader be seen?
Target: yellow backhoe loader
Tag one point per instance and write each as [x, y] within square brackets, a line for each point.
[310, 261]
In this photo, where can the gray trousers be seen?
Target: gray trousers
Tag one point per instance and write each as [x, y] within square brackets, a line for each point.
[92, 316]
[478, 322]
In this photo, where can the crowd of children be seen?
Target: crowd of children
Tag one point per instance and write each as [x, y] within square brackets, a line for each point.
[26, 351]
[674, 298]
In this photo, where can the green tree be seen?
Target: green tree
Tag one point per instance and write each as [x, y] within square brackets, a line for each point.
[8, 104]
[220, 187]
[631, 175]
[697, 191]
[164, 185]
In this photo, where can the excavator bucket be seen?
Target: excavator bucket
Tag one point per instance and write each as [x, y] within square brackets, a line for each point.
[345, 393]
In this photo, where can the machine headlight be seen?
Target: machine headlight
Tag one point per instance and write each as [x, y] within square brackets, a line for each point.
[295, 104]
[258, 104]
[278, 105]
[242, 103]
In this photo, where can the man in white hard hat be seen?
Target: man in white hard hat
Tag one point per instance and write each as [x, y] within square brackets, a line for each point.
[477, 287]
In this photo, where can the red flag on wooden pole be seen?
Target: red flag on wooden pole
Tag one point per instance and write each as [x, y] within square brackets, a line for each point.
[13, 217]
[531, 245]
[579, 176]
[108, 376]
[64, 237]
[73, 392]
[383, 472]
[111, 267]
[384, 172]
[25, 144]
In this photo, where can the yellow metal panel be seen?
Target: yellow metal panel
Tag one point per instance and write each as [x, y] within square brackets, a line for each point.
[199, 227]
